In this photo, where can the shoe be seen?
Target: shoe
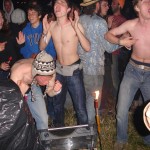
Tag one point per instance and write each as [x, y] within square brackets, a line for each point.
[44, 139]
[120, 146]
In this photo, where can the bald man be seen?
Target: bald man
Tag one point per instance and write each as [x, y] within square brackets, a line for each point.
[29, 75]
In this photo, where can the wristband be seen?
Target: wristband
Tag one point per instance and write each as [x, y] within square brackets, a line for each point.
[44, 36]
[45, 39]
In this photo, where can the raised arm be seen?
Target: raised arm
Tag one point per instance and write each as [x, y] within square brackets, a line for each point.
[113, 35]
[85, 43]
[46, 35]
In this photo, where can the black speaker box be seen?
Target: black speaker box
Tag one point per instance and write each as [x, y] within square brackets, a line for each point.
[73, 137]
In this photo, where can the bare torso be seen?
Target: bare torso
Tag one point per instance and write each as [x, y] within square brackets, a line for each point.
[66, 42]
[21, 70]
[141, 32]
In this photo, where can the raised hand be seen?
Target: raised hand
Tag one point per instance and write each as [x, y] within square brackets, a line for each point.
[21, 38]
[74, 22]
[46, 24]
[2, 46]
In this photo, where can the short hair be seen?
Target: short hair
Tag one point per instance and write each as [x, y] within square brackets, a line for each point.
[36, 8]
[67, 1]
[135, 2]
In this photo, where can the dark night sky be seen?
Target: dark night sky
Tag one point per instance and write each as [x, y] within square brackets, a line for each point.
[128, 6]
[21, 3]
[42, 1]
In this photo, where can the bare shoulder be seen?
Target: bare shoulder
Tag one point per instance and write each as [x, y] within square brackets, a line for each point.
[127, 26]
[22, 64]
[131, 23]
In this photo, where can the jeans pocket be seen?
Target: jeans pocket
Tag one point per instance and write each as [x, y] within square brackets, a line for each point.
[129, 70]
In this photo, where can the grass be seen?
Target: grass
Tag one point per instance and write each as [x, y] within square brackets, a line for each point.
[108, 130]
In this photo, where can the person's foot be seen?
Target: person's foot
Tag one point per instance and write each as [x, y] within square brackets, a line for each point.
[44, 139]
[120, 146]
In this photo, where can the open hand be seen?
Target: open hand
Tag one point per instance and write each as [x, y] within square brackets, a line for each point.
[46, 24]
[74, 22]
[21, 38]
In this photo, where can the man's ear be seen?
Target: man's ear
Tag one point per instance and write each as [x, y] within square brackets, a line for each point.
[97, 6]
[19, 83]
[136, 8]
[68, 10]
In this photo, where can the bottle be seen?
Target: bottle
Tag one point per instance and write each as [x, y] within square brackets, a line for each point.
[9, 60]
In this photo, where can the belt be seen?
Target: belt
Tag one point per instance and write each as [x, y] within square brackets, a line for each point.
[146, 68]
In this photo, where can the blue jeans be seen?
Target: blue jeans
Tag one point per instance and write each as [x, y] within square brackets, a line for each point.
[38, 107]
[134, 79]
[92, 83]
[50, 107]
[74, 84]
[115, 74]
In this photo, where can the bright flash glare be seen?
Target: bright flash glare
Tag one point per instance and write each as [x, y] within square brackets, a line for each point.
[96, 94]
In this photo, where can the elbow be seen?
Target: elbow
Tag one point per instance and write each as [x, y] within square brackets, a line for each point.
[88, 47]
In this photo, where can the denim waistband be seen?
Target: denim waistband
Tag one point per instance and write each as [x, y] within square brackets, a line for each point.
[143, 67]
[140, 63]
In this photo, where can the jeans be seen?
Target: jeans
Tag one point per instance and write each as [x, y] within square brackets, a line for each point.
[50, 107]
[74, 84]
[38, 107]
[92, 83]
[134, 79]
[115, 74]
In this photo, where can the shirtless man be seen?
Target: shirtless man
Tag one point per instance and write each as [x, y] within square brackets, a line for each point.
[66, 35]
[27, 73]
[137, 73]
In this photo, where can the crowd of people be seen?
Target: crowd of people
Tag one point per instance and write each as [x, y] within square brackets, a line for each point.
[48, 53]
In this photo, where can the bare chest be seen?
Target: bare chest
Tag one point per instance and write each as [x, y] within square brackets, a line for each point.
[143, 36]
[65, 35]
